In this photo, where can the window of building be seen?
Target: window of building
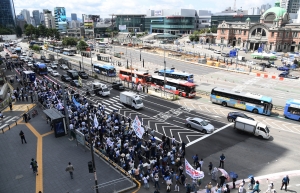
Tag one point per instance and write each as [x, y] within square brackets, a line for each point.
[222, 31]
[286, 34]
[279, 34]
[222, 40]
[284, 47]
[239, 41]
[272, 34]
[295, 34]
[244, 32]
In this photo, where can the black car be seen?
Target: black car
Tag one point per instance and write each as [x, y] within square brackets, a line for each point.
[265, 65]
[233, 115]
[118, 85]
[83, 75]
[65, 78]
[43, 57]
[47, 61]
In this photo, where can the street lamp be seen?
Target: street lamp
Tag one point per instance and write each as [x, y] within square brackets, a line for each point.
[165, 66]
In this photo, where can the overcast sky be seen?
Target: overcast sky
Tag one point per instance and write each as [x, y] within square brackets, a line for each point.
[106, 7]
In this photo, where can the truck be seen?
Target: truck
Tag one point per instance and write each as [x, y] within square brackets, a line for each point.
[131, 99]
[100, 89]
[250, 126]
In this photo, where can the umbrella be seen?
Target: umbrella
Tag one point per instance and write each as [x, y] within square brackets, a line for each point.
[224, 173]
[233, 175]
[250, 176]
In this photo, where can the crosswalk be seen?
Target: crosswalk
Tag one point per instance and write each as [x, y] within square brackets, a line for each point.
[7, 120]
[112, 104]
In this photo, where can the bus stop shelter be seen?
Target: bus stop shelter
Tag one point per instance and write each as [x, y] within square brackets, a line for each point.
[57, 121]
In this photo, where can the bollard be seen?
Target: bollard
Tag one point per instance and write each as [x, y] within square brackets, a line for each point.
[8, 127]
[16, 123]
[2, 131]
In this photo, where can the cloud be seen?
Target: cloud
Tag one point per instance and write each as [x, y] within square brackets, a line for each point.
[106, 7]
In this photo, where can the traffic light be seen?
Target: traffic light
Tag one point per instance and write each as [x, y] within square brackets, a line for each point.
[90, 164]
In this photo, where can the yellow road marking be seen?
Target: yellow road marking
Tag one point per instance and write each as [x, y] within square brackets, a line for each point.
[39, 157]
[20, 107]
[44, 135]
[12, 125]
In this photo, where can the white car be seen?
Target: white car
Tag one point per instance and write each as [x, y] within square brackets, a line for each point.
[217, 52]
[49, 69]
[24, 54]
[200, 124]
[64, 67]
[54, 73]
[29, 64]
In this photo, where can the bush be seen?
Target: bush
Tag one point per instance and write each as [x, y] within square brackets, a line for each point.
[96, 76]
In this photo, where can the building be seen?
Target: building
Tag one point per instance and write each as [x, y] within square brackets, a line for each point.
[49, 19]
[42, 18]
[73, 16]
[32, 21]
[173, 21]
[75, 32]
[7, 14]
[26, 15]
[272, 33]
[129, 22]
[218, 19]
[229, 11]
[60, 19]
[254, 11]
[74, 24]
[36, 16]
[203, 19]
[291, 6]
[265, 7]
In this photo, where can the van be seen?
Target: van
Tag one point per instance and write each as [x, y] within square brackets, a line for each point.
[202, 60]
[100, 89]
[72, 74]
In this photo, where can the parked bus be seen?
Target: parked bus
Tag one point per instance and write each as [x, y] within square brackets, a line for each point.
[107, 70]
[36, 43]
[177, 75]
[58, 49]
[28, 76]
[292, 109]
[178, 87]
[138, 77]
[69, 52]
[40, 68]
[103, 57]
[51, 48]
[247, 101]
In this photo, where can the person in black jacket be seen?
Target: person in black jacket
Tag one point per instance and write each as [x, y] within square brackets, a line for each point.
[22, 137]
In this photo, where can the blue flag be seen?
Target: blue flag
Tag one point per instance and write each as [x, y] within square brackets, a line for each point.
[75, 102]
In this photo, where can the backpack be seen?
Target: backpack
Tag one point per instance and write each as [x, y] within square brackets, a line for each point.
[188, 189]
[34, 164]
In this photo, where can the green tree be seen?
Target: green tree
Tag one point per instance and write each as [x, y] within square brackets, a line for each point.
[214, 30]
[30, 30]
[18, 31]
[69, 41]
[36, 48]
[82, 45]
[192, 37]
[42, 30]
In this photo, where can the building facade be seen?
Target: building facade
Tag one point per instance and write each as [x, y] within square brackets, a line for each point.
[73, 16]
[42, 18]
[203, 19]
[74, 24]
[49, 19]
[26, 15]
[74, 32]
[32, 21]
[36, 16]
[129, 22]
[292, 6]
[60, 19]
[273, 32]
[216, 20]
[7, 14]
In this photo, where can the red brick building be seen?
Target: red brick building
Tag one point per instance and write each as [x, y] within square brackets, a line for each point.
[273, 32]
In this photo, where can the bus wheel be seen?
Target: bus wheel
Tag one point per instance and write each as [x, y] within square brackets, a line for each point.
[224, 104]
[255, 111]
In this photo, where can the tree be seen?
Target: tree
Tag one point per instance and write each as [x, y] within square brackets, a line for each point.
[69, 41]
[82, 45]
[30, 30]
[18, 31]
[36, 47]
[214, 30]
[42, 30]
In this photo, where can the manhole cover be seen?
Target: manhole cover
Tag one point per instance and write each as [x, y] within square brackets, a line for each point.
[19, 177]
[204, 84]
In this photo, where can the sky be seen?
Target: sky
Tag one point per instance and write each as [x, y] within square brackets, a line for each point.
[106, 7]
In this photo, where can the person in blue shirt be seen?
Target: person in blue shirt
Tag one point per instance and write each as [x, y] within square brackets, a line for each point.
[222, 159]
[256, 187]
[285, 182]
[1, 115]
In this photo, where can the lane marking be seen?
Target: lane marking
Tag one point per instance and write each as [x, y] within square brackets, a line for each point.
[205, 136]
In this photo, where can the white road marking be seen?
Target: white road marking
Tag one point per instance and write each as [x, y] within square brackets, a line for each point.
[205, 136]
[179, 122]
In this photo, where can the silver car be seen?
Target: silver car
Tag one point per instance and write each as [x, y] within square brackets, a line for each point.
[200, 124]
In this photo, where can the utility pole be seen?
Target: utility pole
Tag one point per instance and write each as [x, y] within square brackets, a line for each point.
[92, 152]
[165, 66]
[65, 108]
[91, 59]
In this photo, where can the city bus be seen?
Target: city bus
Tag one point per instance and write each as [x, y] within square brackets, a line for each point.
[138, 77]
[103, 57]
[28, 76]
[247, 101]
[58, 49]
[177, 75]
[292, 109]
[107, 70]
[69, 52]
[51, 48]
[40, 68]
[36, 43]
[178, 87]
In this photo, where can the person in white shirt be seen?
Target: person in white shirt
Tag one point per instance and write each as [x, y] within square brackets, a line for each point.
[145, 179]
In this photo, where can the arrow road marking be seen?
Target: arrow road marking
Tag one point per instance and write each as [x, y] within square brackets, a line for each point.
[205, 136]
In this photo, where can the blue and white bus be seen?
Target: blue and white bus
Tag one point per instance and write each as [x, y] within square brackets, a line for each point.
[40, 68]
[177, 75]
[28, 76]
[292, 109]
[247, 101]
[107, 70]
[69, 52]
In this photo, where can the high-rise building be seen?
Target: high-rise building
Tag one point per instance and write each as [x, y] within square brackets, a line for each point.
[49, 19]
[74, 16]
[60, 19]
[36, 16]
[42, 18]
[7, 14]
[265, 7]
[26, 15]
[254, 11]
[292, 6]
[32, 21]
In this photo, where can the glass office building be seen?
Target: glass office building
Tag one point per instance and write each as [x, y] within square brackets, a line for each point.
[217, 19]
[7, 14]
[130, 22]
